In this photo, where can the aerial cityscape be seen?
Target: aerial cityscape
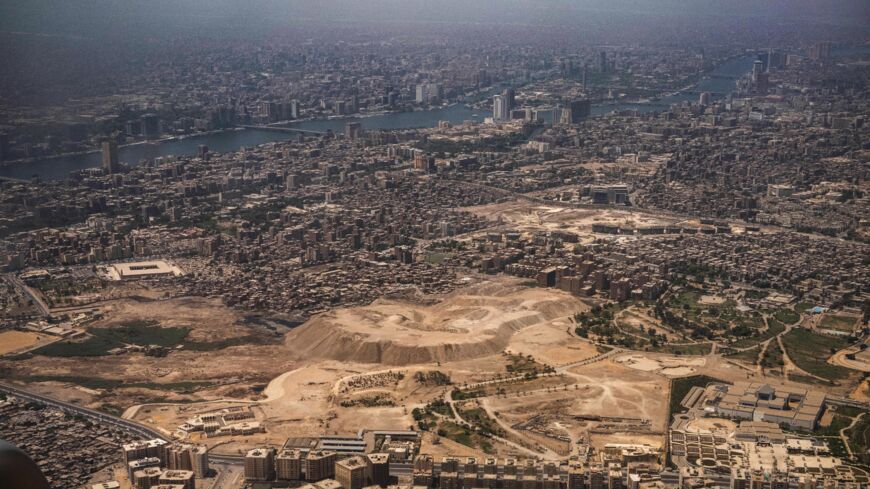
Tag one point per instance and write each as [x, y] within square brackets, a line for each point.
[441, 244]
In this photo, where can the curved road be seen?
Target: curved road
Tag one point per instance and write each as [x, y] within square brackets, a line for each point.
[130, 426]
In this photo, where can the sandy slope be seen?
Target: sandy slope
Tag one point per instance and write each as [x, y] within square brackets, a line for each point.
[471, 323]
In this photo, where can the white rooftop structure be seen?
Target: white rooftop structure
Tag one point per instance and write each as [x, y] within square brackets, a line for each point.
[142, 269]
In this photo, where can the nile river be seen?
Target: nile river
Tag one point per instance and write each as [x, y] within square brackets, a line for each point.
[721, 81]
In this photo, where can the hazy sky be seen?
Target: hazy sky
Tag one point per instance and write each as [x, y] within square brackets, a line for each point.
[58, 15]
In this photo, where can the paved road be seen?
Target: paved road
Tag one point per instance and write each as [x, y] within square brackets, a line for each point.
[128, 425]
[229, 476]
[131, 426]
[15, 281]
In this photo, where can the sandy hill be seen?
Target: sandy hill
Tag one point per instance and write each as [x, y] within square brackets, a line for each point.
[472, 322]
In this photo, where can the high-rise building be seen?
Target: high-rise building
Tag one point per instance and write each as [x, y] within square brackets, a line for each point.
[764, 57]
[143, 449]
[351, 472]
[4, 146]
[434, 93]
[428, 93]
[762, 82]
[178, 458]
[137, 465]
[288, 465]
[294, 109]
[820, 51]
[423, 162]
[353, 130]
[199, 461]
[757, 69]
[602, 62]
[576, 111]
[319, 465]
[483, 79]
[260, 464]
[147, 477]
[704, 99]
[378, 469]
[110, 156]
[340, 107]
[500, 108]
[150, 125]
[185, 479]
[510, 94]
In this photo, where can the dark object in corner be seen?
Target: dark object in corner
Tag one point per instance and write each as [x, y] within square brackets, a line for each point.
[17, 470]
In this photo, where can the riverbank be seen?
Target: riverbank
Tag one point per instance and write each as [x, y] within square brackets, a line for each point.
[165, 139]
[58, 167]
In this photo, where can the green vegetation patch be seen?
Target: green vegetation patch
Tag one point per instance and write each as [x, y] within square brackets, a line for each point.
[837, 447]
[525, 365]
[432, 377]
[810, 352]
[859, 435]
[749, 356]
[599, 322]
[693, 349]
[774, 327]
[251, 339]
[481, 420]
[109, 384]
[436, 258]
[838, 422]
[464, 435]
[142, 333]
[686, 311]
[376, 400]
[839, 323]
[787, 316]
[773, 357]
[460, 395]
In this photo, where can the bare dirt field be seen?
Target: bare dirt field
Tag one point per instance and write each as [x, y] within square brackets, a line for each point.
[361, 368]
[605, 389]
[13, 341]
[208, 319]
[625, 392]
[598, 440]
[667, 365]
[551, 343]
[135, 378]
[527, 216]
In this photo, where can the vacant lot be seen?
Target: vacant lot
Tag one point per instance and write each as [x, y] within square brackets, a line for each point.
[11, 341]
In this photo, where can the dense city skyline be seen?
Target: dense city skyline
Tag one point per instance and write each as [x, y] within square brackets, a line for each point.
[443, 244]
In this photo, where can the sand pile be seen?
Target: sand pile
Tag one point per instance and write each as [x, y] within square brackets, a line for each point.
[471, 323]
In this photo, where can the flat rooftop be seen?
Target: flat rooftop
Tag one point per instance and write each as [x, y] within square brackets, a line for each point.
[142, 269]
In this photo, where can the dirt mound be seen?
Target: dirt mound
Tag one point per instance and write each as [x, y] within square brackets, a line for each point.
[472, 323]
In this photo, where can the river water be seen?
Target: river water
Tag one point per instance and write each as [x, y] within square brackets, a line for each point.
[720, 82]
